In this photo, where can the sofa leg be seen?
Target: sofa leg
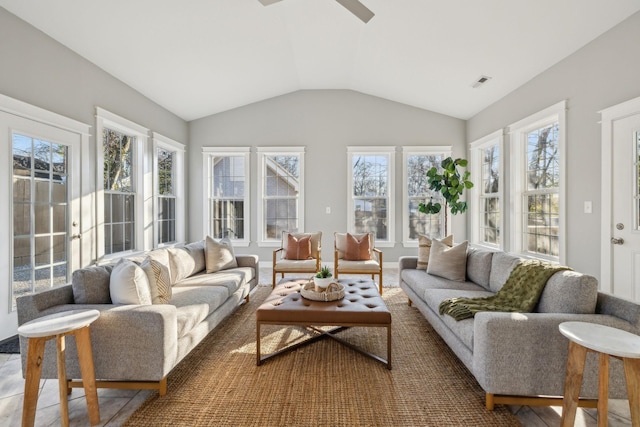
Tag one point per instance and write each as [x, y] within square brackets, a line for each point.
[489, 402]
[409, 303]
[162, 389]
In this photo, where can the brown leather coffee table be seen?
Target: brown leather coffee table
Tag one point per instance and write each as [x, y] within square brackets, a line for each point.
[362, 306]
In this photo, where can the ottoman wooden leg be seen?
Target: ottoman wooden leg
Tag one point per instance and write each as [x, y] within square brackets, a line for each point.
[62, 380]
[632, 374]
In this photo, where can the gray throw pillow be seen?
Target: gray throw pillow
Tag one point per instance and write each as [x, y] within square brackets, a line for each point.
[450, 263]
[90, 285]
[219, 255]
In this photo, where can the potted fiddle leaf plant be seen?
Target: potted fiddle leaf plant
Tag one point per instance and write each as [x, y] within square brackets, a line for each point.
[450, 182]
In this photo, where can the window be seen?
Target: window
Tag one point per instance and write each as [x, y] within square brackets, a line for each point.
[121, 206]
[281, 192]
[371, 205]
[169, 190]
[486, 208]
[227, 187]
[538, 183]
[416, 162]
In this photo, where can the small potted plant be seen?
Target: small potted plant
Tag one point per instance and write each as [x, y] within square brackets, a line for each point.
[322, 279]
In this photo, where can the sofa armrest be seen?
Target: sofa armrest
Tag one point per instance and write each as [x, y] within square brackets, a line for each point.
[129, 342]
[407, 262]
[31, 306]
[250, 261]
[525, 354]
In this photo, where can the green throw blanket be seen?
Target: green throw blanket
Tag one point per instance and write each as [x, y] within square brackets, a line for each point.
[520, 293]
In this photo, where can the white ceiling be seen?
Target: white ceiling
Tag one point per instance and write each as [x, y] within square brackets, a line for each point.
[200, 57]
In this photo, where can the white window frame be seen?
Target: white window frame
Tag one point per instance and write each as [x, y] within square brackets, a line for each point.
[178, 150]
[208, 154]
[445, 151]
[476, 149]
[263, 153]
[389, 151]
[142, 182]
[517, 132]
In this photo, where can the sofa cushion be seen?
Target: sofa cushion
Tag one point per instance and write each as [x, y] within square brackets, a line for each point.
[424, 249]
[219, 255]
[296, 265]
[463, 329]
[231, 279]
[479, 266]
[129, 284]
[450, 263]
[501, 265]
[419, 281]
[186, 260]
[90, 285]
[195, 303]
[569, 292]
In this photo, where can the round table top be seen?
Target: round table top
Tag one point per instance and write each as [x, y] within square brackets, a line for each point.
[58, 323]
[603, 339]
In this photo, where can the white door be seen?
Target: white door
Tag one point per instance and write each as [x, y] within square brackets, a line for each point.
[621, 233]
[39, 210]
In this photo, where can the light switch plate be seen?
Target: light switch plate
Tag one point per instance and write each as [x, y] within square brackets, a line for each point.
[588, 207]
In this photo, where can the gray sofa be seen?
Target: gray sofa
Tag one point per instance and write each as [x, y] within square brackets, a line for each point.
[136, 346]
[520, 358]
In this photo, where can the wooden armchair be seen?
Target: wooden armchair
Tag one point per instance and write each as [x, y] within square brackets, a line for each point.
[301, 257]
[362, 263]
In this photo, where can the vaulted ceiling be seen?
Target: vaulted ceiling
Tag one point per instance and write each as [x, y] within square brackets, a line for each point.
[201, 57]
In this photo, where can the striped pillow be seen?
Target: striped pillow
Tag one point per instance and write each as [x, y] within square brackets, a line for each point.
[159, 280]
[424, 248]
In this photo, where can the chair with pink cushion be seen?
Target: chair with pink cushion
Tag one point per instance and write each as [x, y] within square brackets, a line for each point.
[299, 253]
[356, 254]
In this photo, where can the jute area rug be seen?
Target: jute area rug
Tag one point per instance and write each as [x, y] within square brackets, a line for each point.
[324, 383]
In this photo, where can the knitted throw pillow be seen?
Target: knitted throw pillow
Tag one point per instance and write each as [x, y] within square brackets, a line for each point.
[298, 248]
[358, 250]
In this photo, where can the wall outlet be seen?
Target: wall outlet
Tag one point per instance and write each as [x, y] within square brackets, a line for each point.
[588, 207]
[327, 210]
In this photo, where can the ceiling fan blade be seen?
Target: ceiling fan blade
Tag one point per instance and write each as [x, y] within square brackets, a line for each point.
[268, 2]
[358, 9]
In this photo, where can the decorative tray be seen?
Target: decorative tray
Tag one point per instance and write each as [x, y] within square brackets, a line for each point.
[334, 291]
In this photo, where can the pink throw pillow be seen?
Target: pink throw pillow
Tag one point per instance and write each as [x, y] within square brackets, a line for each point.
[358, 250]
[298, 249]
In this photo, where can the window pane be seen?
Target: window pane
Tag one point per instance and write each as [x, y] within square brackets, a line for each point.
[542, 224]
[542, 158]
[420, 223]
[21, 189]
[21, 219]
[21, 155]
[417, 168]
[371, 215]
[59, 248]
[42, 279]
[165, 172]
[41, 191]
[228, 218]
[118, 160]
[42, 158]
[43, 250]
[42, 219]
[370, 176]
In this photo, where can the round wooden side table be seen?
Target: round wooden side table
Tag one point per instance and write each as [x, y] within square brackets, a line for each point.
[606, 341]
[58, 325]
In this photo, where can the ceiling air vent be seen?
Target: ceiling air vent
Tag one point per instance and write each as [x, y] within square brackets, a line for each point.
[480, 81]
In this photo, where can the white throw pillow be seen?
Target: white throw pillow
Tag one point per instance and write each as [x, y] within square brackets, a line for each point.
[450, 263]
[219, 255]
[129, 284]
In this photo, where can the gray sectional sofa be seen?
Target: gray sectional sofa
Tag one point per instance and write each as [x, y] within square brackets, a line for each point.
[520, 358]
[136, 346]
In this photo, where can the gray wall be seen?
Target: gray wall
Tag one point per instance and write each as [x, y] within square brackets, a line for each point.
[325, 122]
[602, 74]
[36, 69]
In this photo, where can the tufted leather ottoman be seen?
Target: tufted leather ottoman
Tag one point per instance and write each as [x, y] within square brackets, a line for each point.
[362, 305]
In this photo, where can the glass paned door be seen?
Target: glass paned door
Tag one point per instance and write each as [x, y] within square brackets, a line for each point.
[39, 182]
[40, 215]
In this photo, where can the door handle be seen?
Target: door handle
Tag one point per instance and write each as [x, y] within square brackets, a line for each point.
[76, 236]
[618, 241]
